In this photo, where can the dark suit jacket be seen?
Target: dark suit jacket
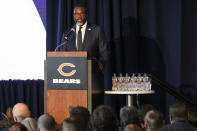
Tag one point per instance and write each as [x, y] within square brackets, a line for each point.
[96, 46]
[94, 43]
[179, 126]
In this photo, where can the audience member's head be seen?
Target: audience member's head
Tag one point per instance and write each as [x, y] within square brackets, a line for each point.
[132, 127]
[30, 124]
[178, 112]
[7, 118]
[80, 114]
[192, 117]
[9, 113]
[142, 112]
[18, 127]
[71, 125]
[153, 120]
[20, 111]
[128, 115]
[46, 122]
[104, 119]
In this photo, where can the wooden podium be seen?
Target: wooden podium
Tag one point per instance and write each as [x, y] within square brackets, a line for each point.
[68, 83]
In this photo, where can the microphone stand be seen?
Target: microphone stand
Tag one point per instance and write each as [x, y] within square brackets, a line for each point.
[64, 43]
[66, 39]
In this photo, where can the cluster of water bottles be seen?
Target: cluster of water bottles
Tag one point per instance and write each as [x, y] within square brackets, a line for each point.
[139, 82]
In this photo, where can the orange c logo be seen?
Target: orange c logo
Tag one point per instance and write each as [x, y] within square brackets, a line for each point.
[66, 74]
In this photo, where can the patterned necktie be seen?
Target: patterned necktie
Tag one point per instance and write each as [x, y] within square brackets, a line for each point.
[79, 39]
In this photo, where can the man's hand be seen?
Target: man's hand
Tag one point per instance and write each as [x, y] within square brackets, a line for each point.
[100, 65]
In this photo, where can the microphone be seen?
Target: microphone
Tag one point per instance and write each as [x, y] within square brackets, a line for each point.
[66, 38]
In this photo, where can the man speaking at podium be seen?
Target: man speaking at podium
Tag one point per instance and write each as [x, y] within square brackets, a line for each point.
[86, 37]
[90, 38]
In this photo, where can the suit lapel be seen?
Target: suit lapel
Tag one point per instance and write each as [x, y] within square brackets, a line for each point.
[86, 36]
[73, 40]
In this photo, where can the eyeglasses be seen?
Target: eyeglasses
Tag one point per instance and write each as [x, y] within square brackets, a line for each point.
[79, 14]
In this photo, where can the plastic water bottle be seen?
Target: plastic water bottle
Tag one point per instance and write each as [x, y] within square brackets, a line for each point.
[114, 82]
[139, 82]
[126, 82]
[149, 84]
[119, 82]
[144, 82]
[134, 83]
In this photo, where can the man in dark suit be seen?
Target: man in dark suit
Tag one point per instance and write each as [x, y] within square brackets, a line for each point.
[90, 38]
[178, 119]
[86, 37]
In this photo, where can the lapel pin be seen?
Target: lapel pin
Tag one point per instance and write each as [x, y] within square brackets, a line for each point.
[89, 28]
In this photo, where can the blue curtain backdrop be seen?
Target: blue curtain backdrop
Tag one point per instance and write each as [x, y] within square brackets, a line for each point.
[154, 36]
[30, 92]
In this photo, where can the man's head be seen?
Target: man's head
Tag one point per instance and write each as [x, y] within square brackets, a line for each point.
[128, 115]
[20, 111]
[132, 127]
[46, 122]
[104, 119]
[142, 112]
[80, 114]
[70, 125]
[178, 112]
[153, 120]
[18, 127]
[80, 15]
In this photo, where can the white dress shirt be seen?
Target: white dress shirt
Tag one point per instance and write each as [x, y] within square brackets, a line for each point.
[83, 29]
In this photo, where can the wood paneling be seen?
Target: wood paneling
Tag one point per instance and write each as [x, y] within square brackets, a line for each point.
[59, 102]
[67, 54]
